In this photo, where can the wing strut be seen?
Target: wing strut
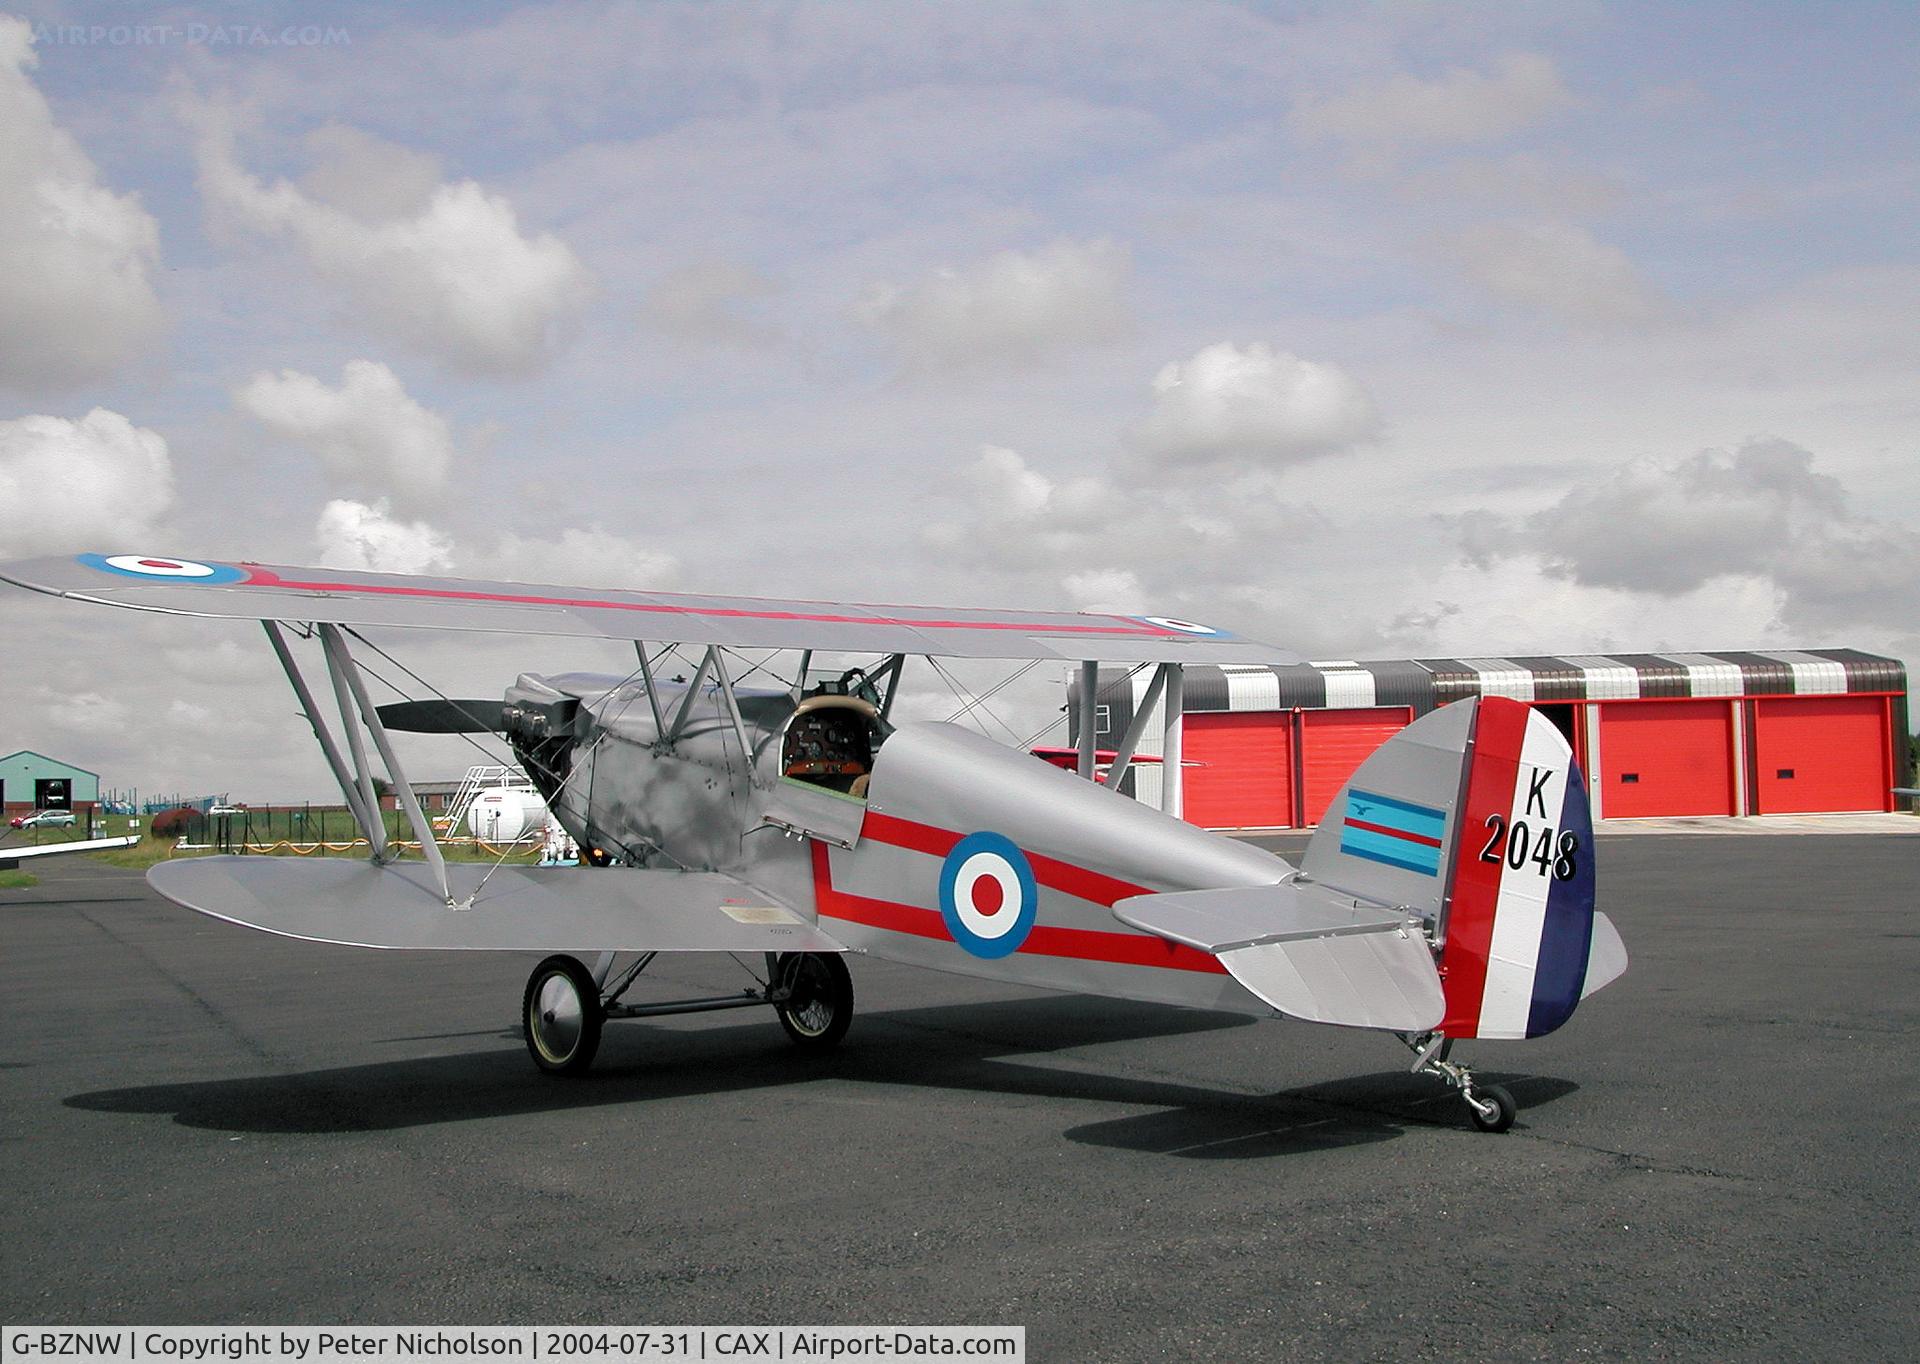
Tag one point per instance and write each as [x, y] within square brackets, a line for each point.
[1089, 719]
[686, 702]
[317, 722]
[402, 788]
[1171, 796]
[371, 824]
[646, 680]
[1137, 729]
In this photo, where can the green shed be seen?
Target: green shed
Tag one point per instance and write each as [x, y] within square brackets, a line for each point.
[32, 781]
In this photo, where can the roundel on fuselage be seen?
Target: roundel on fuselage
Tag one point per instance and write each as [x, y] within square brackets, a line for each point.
[988, 898]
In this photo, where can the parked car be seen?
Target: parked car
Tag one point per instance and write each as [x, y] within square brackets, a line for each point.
[216, 811]
[43, 819]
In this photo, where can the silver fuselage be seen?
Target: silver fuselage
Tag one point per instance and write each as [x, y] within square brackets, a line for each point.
[870, 871]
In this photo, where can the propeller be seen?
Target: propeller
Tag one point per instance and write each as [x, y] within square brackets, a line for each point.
[445, 717]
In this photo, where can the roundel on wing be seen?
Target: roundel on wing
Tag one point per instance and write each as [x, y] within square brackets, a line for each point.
[159, 568]
[987, 895]
[1185, 627]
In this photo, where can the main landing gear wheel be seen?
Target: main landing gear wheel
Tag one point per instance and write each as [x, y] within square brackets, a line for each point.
[561, 1016]
[813, 994]
[1492, 1107]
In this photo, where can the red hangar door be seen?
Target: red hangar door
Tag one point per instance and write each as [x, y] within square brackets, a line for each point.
[1334, 742]
[1666, 758]
[1821, 753]
[1243, 773]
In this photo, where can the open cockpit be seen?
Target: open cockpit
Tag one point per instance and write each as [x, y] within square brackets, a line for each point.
[834, 733]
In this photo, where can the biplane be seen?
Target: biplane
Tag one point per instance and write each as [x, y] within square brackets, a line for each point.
[1447, 895]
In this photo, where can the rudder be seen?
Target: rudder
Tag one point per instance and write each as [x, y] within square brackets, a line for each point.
[1476, 817]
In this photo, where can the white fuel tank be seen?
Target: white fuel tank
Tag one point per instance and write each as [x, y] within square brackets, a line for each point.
[507, 814]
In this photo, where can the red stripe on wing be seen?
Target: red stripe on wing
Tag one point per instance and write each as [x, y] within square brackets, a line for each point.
[264, 577]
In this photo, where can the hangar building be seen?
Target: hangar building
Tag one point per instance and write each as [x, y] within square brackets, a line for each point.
[1786, 731]
[32, 781]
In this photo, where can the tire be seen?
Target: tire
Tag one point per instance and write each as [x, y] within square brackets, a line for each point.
[561, 1017]
[820, 1008]
[1506, 1110]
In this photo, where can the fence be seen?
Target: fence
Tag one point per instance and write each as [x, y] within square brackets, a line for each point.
[311, 829]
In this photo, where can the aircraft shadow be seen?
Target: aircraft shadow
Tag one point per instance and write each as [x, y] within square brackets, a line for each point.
[958, 1047]
[1357, 1109]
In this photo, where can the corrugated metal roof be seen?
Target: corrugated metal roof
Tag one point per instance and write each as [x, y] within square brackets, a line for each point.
[1426, 683]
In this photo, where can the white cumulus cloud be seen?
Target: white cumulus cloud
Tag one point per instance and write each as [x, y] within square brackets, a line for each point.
[368, 432]
[452, 274]
[359, 535]
[75, 297]
[1010, 306]
[1253, 406]
[1020, 518]
[1667, 527]
[1453, 109]
[1115, 591]
[367, 176]
[590, 557]
[1560, 270]
[99, 483]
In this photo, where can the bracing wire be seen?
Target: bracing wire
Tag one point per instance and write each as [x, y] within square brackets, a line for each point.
[1100, 694]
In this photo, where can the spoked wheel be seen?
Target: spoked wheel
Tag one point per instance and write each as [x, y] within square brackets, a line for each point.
[819, 1002]
[1492, 1107]
[561, 1016]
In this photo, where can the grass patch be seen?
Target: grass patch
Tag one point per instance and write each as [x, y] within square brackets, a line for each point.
[150, 850]
[18, 880]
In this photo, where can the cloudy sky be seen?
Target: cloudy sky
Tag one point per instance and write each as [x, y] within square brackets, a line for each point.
[1370, 330]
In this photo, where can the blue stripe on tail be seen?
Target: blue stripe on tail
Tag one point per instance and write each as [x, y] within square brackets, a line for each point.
[1566, 938]
[1403, 815]
[1395, 852]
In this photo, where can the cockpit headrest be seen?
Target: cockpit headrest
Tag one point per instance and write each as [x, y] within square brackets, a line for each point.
[853, 703]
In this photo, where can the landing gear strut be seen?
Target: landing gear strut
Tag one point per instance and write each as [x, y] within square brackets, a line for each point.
[1490, 1106]
[567, 1004]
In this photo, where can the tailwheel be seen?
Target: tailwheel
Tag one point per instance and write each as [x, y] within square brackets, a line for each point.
[813, 994]
[561, 1016]
[1492, 1107]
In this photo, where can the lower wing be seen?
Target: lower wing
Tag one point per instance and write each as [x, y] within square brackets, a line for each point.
[513, 909]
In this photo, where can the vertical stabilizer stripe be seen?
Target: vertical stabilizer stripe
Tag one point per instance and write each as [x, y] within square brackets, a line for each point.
[1494, 763]
[1567, 938]
[1520, 912]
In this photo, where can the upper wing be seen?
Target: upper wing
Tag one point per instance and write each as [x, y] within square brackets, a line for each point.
[517, 909]
[271, 592]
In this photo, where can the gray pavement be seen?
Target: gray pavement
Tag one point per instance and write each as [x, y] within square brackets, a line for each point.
[1716, 1159]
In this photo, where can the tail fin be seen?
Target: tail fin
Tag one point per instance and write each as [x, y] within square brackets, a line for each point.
[1476, 817]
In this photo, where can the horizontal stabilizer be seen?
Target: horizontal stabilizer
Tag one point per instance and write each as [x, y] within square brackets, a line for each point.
[1244, 916]
[517, 909]
[1606, 956]
[1309, 952]
[444, 717]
